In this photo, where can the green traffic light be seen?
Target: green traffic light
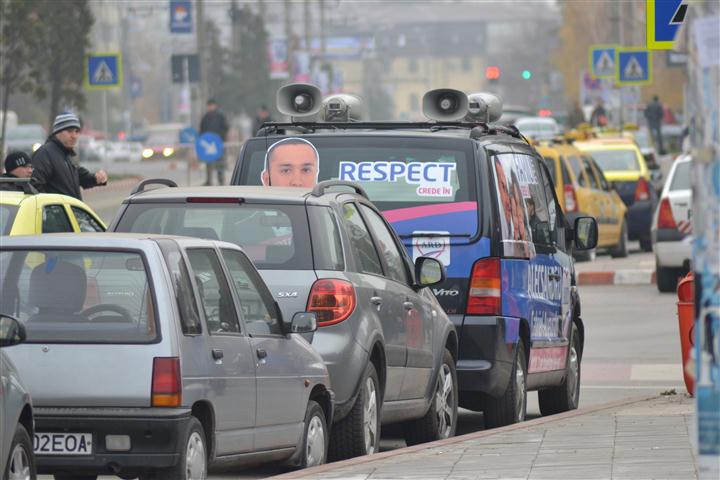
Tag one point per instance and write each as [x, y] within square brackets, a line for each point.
[526, 74]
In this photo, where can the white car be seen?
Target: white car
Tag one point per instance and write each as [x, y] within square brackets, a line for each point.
[672, 226]
[538, 128]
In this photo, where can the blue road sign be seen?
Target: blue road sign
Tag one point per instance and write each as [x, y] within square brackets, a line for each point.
[664, 18]
[602, 60]
[103, 70]
[209, 147]
[634, 67]
[136, 87]
[188, 135]
[181, 16]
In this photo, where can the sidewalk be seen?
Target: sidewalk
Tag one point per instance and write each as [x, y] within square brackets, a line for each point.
[636, 269]
[634, 439]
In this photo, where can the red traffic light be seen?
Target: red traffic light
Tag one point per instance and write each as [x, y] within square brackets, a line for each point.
[492, 73]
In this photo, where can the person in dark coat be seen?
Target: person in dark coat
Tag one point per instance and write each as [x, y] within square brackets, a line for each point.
[214, 121]
[263, 116]
[54, 170]
[598, 118]
[654, 114]
[17, 165]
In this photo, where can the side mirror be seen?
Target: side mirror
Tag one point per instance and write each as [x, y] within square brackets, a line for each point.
[303, 322]
[428, 272]
[12, 331]
[586, 233]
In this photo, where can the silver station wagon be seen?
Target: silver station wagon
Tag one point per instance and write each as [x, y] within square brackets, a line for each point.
[158, 357]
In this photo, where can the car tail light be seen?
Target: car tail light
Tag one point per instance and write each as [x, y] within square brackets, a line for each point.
[332, 300]
[484, 294]
[214, 200]
[166, 382]
[570, 199]
[642, 190]
[665, 215]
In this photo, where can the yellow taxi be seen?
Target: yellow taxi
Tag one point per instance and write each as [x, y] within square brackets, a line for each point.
[582, 190]
[624, 166]
[27, 214]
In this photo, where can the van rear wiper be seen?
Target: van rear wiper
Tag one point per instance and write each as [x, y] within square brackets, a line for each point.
[434, 234]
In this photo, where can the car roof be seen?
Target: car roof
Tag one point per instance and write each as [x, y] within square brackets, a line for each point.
[607, 144]
[16, 198]
[110, 240]
[560, 148]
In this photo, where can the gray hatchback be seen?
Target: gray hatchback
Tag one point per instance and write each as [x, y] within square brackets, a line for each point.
[159, 356]
[388, 345]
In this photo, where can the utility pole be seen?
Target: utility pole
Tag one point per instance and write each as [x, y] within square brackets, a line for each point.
[262, 10]
[619, 34]
[202, 57]
[289, 38]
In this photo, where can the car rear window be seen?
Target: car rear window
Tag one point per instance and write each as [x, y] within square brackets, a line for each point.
[616, 160]
[405, 177]
[273, 236]
[7, 217]
[79, 296]
[681, 177]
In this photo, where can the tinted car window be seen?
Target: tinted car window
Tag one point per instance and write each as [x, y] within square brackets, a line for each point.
[79, 296]
[589, 173]
[327, 245]
[273, 236]
[256, 302]
[681, 177]
[577, 169]
[361, 242]
[184, 295]
[55, 220]
[388, 247]
[616, 160]
[86, 222]
[7, 216]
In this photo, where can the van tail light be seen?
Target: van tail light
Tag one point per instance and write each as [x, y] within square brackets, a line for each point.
[166, 382]
[571, 204]
[332, 300]
[484, 294]
[665, 215]
[642, 190]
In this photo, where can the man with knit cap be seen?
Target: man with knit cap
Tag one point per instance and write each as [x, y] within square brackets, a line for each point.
[54, 171]
[17, 165]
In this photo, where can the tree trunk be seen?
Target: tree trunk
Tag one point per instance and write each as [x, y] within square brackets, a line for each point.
[5, 103]
[55, 86]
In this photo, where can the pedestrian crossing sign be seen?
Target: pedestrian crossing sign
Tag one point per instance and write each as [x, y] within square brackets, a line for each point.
[634, 66]
[602, 60]
[103, 70]
[663, 19]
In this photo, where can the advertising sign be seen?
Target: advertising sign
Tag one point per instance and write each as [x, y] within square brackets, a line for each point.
[181, 16]
[278, 53]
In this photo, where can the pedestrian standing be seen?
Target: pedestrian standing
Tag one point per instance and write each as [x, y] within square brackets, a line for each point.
[262, 116]
[654, 114]
[599, 115]
[576, 116]
[54, 171]
[17, 165]
[214, 121]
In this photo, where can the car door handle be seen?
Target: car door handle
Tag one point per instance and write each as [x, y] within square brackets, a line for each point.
[376, 301]
[408, 305]
[261, 353]
[217, 354]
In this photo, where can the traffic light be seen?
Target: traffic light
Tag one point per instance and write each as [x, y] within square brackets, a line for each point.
[526, 74]
[492, 72]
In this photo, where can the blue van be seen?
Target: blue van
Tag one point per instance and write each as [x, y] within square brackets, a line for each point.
[478, 198]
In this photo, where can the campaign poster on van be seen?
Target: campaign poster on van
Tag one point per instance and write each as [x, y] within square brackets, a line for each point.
[514, 174]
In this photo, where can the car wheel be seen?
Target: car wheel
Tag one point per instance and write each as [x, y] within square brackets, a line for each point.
[21, 463]
[511, 407]
[359, 432]
[667, 279]
[441, 419]
[565, 396]
[621, 249]
[315, 436]
[193, 456]
[646, 244]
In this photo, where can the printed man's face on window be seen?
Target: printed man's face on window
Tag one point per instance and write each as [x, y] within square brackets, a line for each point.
[291, 165]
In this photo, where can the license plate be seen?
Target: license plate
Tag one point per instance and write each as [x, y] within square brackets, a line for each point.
[63, 443]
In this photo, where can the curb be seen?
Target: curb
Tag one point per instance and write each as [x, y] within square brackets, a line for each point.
[618, 277]
[299, 474]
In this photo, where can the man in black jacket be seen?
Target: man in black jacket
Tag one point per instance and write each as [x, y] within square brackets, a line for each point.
[654, 114]
[214, 121]
[54, 171]
[17, 165]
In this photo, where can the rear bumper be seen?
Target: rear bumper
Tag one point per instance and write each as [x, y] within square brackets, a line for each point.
[672, 248]
[155, 440]
[487, 352]
[639, 219]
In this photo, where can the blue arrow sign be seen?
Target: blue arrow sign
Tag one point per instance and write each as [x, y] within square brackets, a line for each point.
[188, 135]
[634, 67]
[602, 61]
[664, 18]
[103, 70]
[209, 147]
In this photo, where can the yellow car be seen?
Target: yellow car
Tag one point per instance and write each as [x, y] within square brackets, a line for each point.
[582, 190]
[28, 214]
[624, 166]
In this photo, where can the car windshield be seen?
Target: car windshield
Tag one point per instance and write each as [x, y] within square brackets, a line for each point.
[7, 216]
[681, 177]
[616, 159]
[78, 296]
[274, 237]
[26, 132]
[405, 177]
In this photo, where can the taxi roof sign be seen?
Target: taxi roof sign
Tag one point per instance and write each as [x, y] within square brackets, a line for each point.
[634, 66]
[663, 18]
[601, 59]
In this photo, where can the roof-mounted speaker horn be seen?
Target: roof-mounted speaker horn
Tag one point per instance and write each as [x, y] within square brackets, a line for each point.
[299, 100]
[445, 105]
[484, 107]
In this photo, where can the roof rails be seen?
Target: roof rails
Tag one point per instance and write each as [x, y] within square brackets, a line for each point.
[153, 181]
[321, 187]
[28, 188]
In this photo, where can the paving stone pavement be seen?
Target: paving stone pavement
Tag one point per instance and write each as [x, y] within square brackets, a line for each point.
[635, 439]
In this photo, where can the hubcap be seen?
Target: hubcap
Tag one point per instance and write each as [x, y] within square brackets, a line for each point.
[573, 367]
[520, 392]
[19, 464]
[444, 402]
[315, 450]
[195, 459]
[370, 420]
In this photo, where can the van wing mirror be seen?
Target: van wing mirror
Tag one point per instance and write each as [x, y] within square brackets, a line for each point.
[585, 233]
[12, 331]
